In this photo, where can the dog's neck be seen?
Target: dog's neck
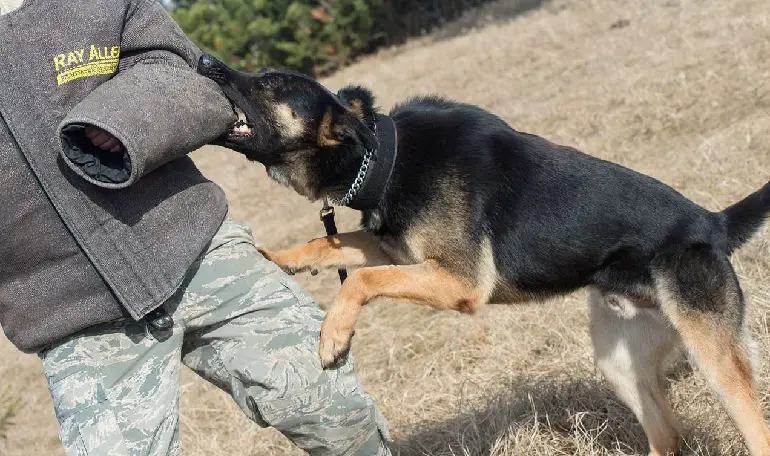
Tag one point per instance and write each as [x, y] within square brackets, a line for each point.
[6, 6]
[362, 182]
[338, 175]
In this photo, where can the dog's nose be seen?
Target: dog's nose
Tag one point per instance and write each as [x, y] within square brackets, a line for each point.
[207, 62]
[212, 68]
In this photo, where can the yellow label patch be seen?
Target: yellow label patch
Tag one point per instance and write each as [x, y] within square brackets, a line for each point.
[90, 61]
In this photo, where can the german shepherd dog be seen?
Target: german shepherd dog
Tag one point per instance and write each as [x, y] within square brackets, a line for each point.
[474, 211]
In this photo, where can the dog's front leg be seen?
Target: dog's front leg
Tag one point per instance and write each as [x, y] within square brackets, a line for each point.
[427, 283]
[355, 249]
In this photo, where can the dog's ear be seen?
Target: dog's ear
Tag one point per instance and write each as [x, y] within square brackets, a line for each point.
[342, 126]
[358, 100]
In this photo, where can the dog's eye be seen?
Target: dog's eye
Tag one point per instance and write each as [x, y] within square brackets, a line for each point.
[293, 114]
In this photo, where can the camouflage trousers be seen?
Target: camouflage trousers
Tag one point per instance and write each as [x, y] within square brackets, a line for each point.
[240, 323]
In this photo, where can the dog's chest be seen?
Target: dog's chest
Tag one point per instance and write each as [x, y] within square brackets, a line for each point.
[406, 248]
[399, 251]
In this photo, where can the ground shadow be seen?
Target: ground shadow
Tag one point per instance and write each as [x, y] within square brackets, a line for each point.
[556, 408]
[490, 13]
[431, 19]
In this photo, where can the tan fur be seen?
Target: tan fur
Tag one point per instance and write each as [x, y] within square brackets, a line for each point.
[325, 133]
[355, 249]
[441, 232]
[362, 249]
[291, 125]
[440, 271]
[357, 108]
[426, 283]
[294, 174]
[725, 363]
[486, 272]
[501, 292]
[716, 347]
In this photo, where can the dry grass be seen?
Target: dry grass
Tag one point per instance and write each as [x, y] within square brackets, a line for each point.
[9, 404]
[682, 93]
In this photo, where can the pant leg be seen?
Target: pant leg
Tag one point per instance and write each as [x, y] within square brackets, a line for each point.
[254, 333]
[115, 390]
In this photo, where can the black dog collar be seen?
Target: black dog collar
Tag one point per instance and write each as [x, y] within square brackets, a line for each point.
[380, 167]
[374, 176]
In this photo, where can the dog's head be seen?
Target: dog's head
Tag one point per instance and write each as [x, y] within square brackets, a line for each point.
[292, 124]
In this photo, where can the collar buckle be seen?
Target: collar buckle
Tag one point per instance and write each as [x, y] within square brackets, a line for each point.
[326, 211]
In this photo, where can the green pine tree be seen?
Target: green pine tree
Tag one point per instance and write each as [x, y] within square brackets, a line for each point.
[307, 35]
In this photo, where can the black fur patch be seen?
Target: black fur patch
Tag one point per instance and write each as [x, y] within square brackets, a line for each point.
[359, 100]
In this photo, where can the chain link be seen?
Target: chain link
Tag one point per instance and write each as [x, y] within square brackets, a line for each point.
[359, 180]
[353, 191]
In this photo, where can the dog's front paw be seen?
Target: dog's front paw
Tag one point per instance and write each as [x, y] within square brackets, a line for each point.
[335, 343]
[287, 261]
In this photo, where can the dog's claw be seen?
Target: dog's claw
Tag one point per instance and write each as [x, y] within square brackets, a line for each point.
[339, 359]
[333, 351]
[293, 270]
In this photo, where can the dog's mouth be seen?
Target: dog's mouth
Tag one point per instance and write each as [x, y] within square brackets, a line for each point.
[242, 128]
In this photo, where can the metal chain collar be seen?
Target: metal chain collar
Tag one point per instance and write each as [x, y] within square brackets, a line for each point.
[359, 180]
[356, 186]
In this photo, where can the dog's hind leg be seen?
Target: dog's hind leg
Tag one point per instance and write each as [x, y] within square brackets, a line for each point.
[700, 295]
[633, 346]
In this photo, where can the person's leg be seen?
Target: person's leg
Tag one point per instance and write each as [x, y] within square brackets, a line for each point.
[115, 390]
[255, 334]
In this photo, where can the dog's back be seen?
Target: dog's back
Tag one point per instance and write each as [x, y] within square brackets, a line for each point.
[541, 219]
[557, 219]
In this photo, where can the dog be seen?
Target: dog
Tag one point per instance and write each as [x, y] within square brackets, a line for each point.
[459, 209]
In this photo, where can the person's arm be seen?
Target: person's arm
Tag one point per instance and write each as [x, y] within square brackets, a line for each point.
[103, 140]
[157, 107]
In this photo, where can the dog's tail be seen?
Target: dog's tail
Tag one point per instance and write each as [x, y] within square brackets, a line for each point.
[746, 216]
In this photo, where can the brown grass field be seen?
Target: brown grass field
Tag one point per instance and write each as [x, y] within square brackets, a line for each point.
[677, 89]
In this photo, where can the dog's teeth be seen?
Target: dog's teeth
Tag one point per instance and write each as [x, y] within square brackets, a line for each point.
[241, 129]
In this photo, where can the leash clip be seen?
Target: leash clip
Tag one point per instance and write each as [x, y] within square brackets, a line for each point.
[326, 211]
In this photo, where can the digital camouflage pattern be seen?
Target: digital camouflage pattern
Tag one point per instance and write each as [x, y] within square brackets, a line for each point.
[239, 322]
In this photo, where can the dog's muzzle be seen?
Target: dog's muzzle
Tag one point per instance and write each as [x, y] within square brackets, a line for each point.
[212, 68]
